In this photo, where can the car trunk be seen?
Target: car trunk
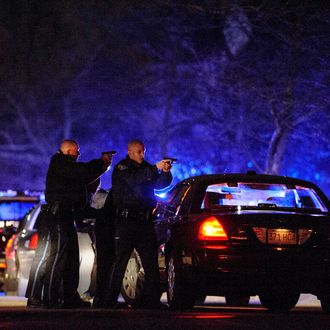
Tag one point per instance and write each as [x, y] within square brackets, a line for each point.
[270, 241]
[276, 229]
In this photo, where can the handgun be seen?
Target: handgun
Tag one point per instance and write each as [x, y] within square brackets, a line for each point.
[111, 153]
[170, 160]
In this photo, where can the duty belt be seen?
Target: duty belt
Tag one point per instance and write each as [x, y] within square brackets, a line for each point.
[134, 213]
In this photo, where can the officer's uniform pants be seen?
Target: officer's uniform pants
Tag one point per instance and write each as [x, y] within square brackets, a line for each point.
[135, 233]
[62, 264]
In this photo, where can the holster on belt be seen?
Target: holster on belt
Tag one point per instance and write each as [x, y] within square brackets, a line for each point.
[141, 214]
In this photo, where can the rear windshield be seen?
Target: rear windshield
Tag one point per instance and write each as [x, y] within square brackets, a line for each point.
[261, 195]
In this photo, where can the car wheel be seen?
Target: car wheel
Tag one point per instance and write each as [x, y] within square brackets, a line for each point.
[133, 280]
[239, 300]
[325, 303]
[280, 299]
[180, 294]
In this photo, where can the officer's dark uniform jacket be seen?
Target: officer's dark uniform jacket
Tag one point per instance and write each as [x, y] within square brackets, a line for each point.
[133, 185]
[67, 180]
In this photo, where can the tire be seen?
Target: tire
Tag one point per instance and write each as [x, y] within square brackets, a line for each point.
[237, 300]
[325, 303]
[132, 288]
[180, 293]
[280, 299]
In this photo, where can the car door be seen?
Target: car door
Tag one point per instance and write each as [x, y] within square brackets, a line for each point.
[167, 213]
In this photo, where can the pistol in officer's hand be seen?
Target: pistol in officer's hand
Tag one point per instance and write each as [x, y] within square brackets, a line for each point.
[106, 156]
[166, 163]
[170, 160]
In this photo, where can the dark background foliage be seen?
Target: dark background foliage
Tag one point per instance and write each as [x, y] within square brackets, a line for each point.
[224, 86]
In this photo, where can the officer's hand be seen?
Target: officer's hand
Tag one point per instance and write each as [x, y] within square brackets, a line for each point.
[164, 165]
[107, 159]
[167, 166]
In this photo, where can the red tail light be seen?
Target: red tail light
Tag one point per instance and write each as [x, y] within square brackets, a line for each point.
[33, 241]
[211, 229]
[10, 252]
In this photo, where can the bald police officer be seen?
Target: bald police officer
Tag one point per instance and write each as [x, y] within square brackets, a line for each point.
[133, 199]
[66, 196]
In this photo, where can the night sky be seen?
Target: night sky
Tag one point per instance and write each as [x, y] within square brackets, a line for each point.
[224, 86]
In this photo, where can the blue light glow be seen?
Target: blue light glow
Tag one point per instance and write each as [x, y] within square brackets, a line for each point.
[200, 101]
[14, 210]
[162, 193]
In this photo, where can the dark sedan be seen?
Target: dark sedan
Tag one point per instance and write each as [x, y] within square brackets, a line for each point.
[240, 235]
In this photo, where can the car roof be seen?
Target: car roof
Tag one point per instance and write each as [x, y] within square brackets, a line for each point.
[248, 177]
[19, 199]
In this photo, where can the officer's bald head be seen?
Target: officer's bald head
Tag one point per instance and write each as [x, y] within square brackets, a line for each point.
[71, 148]
[136, 150]
[132, 144]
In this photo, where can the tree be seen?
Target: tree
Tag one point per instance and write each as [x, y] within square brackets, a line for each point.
[49, 48]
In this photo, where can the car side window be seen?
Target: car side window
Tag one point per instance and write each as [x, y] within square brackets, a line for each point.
[178, 197]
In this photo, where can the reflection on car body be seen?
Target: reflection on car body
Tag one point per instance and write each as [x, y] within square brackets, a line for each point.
[240, 235]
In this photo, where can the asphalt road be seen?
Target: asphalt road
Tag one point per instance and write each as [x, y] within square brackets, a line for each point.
[213, 315]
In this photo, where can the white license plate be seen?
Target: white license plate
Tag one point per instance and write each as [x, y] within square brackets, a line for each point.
[282, 236]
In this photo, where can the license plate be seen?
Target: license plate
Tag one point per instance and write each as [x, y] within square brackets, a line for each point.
[282, 236]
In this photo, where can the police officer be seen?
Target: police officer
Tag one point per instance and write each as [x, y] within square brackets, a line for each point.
[133, 184]
[66, 195]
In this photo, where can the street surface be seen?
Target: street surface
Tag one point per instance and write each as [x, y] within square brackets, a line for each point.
[213, 315]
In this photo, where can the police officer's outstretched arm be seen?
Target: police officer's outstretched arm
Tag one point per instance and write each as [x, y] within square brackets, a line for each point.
[85, 172]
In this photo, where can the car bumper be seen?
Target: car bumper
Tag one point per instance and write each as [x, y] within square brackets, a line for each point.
[226, 270]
